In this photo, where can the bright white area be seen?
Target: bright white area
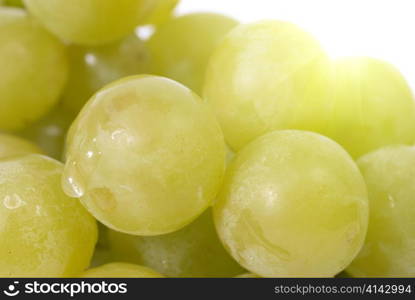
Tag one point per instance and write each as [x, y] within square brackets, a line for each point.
[379, 28]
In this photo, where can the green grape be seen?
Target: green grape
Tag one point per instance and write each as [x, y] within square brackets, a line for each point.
[293, 204]
[372, 106]
[33, 69]
[266, 76]
[14, 146]
[94, 67]
[389, 247]
[161, 12]
[120, 270]
[181, 48]
[194, 251]
[89, 22]
[17, 3]
[43, 233]
[49, 133]
[145, 155]
[247, 275]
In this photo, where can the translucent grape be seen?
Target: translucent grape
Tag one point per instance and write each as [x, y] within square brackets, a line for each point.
[14, 146]
[43, 233]
[194, 251]
[265, 76]
[33, 69]
[372, 106]
[121, 270]
[50, 132]
[181, 48]
[389, 247]
[146, 156]
[293, 204]
[94, 67]
[89, 22]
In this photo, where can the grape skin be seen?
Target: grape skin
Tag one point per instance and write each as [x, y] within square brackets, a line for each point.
[292, 204]
[43, 233]
[146, 156]
[181, 48]
[194, 251]
[25, 48]
[94, 67]
[89, 22]
[14, 146]
[265, 76]
[389, 247]
[120, 270]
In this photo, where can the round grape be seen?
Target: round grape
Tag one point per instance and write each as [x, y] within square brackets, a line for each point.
[389, 247]
[293, 204]
[43, 233]
[33, 69]
[145, 155]
[265, 76]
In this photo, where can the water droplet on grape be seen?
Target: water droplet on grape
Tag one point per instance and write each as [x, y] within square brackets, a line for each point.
[13, 201]
[72, 182]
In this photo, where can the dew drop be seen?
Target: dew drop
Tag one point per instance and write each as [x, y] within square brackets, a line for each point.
[72, 182]
[13, 201]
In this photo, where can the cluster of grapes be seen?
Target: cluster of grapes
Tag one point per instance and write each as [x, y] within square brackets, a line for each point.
[248, 151]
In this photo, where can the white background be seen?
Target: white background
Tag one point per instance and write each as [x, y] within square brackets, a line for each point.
[379, 28]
